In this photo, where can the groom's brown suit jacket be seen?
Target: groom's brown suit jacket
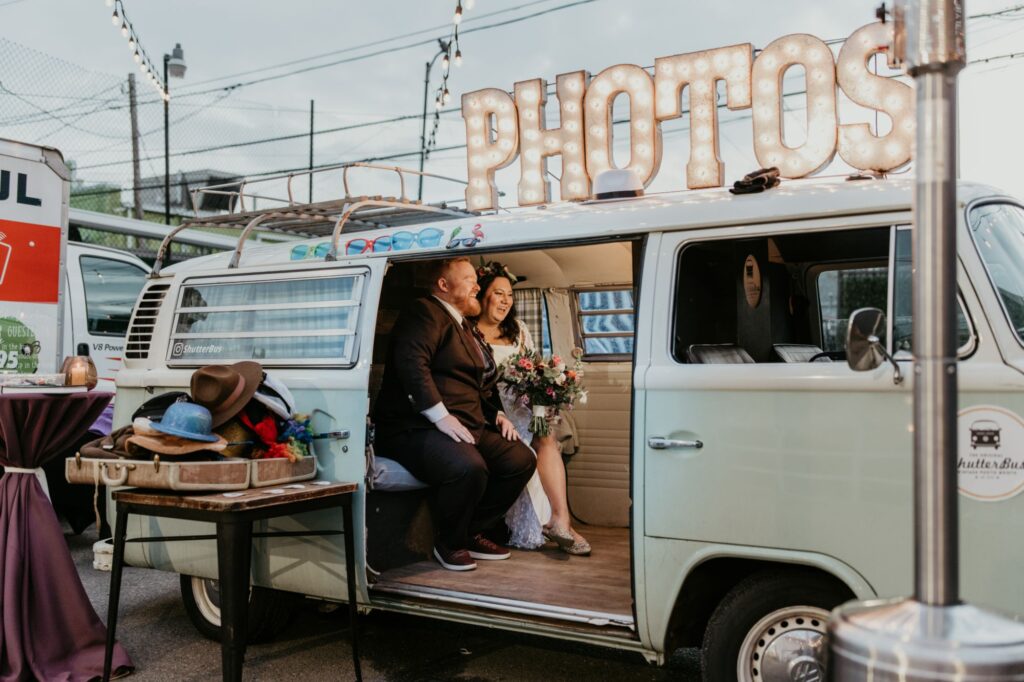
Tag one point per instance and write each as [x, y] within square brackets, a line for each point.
[431, 360]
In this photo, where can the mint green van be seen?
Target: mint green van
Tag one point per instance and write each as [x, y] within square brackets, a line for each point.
[736, 478]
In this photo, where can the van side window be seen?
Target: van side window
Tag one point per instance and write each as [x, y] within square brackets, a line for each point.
[294, 321]
[902, 302]
[605, 322]
[784, 298]
[998, 232]
[842, 291]
[111, 287]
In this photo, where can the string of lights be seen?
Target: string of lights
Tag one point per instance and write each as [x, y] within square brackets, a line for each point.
[443, 96]
[139, 54]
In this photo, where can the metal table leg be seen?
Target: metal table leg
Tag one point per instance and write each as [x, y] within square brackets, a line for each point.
[120, 531]
[350, 572]
[234, 556]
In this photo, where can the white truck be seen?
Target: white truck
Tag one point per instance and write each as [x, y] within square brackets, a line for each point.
[56, 298]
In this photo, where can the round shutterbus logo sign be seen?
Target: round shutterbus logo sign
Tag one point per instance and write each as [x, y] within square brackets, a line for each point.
[990, 453]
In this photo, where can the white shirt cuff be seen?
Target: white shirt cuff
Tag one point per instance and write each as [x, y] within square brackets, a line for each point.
[499, 416]
[435, 413]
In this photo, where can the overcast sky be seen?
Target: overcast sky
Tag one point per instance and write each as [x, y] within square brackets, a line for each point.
[232, 36]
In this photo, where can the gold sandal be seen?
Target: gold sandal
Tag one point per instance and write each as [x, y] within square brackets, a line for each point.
[560, 536]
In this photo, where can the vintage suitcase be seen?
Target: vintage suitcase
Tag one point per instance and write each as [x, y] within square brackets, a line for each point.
[266, 472]
[159, 473]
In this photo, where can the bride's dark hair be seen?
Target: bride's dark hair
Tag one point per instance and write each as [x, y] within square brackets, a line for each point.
[486, 274]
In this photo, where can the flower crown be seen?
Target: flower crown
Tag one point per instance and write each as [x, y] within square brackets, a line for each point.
[496, 269]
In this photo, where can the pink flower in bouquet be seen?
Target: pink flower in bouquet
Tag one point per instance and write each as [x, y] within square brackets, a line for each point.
[550, 391]
[556, 362]
[525, 364]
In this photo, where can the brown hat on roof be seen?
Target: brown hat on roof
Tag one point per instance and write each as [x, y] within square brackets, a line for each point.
[225, 389]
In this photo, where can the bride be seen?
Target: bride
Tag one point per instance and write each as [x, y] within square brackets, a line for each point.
[542, 510]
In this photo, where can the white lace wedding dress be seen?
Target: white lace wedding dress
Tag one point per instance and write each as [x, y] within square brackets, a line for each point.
[531, 510]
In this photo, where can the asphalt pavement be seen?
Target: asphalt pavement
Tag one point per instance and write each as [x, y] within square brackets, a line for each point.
[159, 637]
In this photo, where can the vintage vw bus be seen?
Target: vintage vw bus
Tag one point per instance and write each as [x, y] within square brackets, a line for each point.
[736, 478]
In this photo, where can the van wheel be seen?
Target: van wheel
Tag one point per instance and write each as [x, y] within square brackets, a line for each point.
[771, 627]
[269, 610]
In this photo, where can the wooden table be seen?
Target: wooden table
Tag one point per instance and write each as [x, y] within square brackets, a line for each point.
[233, 514]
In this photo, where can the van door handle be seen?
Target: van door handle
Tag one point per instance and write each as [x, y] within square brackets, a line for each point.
[659, 443]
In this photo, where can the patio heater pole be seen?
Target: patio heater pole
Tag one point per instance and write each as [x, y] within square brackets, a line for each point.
[933, 636]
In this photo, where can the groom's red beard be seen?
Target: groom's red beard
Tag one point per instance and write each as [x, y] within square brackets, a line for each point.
[472, 307]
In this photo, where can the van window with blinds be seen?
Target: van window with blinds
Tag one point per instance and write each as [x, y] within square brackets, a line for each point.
[307, 321]
[605, 322]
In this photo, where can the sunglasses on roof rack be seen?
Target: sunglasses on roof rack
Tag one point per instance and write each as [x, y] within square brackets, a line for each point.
[399, 241]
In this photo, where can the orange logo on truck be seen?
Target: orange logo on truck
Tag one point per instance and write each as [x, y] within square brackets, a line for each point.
[29, 262]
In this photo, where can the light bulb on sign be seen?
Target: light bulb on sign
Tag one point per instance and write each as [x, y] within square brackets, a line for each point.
[458, 57]
[858, 146]
[458, 14]
[115, 18]
[131, 43]
[700, 72]
[822, 119]
[137, 57]
[444, 61]
[469, 4]
[124, 29]
[482, 193]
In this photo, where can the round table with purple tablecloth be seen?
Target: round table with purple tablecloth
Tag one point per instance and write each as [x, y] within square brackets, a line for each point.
[48, 628]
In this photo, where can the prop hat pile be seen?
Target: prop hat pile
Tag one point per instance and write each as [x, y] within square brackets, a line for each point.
[231, 411]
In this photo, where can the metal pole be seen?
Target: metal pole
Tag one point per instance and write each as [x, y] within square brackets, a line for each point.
[936, 574]
[426, 99]
[423, 129]
[136, 179]
[311, 151]
[167, 145]
[933, 636]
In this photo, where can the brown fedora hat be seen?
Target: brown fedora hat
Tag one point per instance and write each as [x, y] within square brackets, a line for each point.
[225, 389]
[173, 445]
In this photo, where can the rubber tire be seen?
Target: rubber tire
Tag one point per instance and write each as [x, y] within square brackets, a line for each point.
[270, 612]
[749, 601]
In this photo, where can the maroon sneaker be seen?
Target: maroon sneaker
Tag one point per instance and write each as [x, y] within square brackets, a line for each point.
[454, 559]
[485, 550]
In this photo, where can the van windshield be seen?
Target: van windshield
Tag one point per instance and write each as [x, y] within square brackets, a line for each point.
[998, 232]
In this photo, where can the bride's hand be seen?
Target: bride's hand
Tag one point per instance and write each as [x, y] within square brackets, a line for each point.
[508, 430]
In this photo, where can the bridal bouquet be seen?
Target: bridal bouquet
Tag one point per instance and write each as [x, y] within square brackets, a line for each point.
[546, 385]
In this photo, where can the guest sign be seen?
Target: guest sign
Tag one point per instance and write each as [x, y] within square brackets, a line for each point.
[501, 126]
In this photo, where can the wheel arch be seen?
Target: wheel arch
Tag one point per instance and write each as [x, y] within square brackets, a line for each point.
[713, 571]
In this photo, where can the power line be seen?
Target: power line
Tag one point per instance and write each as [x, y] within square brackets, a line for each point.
[353, 48]
[997, 13]
[389, 50]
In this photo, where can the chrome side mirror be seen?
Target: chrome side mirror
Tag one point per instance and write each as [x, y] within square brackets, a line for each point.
[864, 349]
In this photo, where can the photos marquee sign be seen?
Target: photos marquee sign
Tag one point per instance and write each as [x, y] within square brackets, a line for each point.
[500, 126]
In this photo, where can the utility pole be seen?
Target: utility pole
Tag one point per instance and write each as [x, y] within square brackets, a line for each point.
[136, 180]
[934, 635]
[311, 151]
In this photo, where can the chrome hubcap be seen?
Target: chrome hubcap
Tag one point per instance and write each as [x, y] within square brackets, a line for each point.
[787, 645]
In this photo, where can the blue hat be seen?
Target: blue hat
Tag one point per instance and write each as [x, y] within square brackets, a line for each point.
[187, 420]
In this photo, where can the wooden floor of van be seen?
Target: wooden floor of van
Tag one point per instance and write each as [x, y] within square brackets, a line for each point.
[547, 582]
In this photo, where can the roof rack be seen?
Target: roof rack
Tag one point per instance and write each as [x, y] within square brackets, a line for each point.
[313, 219]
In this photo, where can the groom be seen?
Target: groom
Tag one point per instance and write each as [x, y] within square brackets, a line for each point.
[437, 414]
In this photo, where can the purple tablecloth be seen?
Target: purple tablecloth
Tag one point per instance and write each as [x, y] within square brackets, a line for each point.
[48, 628]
